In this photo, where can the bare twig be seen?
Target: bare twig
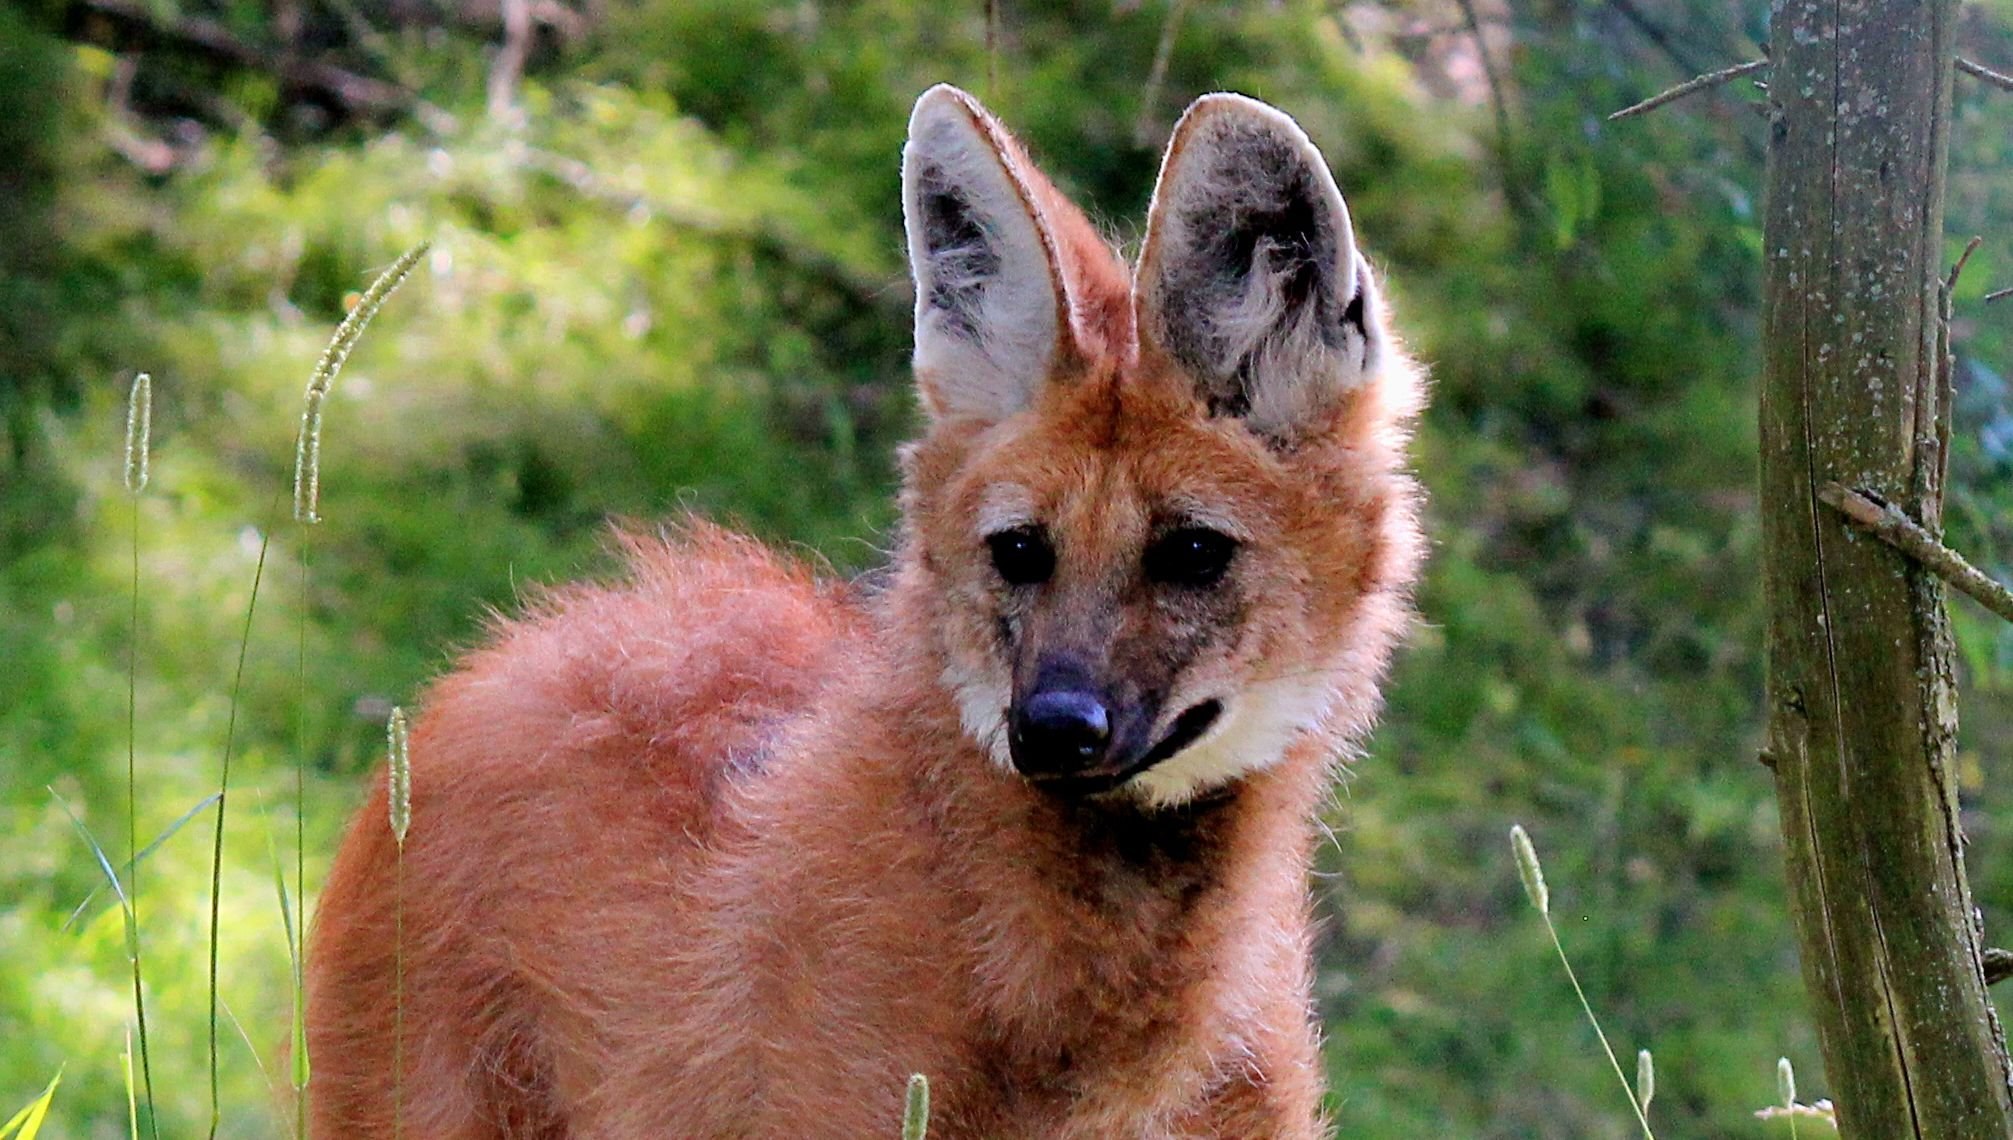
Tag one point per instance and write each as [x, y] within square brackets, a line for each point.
[508, 67]
[1998, 965]
[1932, 455]
[1156, 77]
[1980, 71]
[1497, 100]
[1957, 270]
[993, 51]
[122, 132]
[1998, 295]
[359, 94]
[1890, 525]
[1689, 86]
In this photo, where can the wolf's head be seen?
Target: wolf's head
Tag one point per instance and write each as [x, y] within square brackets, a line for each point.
[1160, 516]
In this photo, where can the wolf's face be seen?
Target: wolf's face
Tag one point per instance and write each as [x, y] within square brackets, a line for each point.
[1165, 520]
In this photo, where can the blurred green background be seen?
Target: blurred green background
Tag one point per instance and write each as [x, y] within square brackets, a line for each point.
[667, 275]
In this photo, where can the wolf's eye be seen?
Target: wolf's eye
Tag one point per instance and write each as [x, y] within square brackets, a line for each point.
[1022, 555]
[1190, 556]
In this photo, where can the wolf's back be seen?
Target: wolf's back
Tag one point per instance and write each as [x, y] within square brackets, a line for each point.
[566, 779]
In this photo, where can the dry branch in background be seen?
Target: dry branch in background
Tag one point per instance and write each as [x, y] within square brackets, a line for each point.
[1998, 965]
[1710, 79]
[1980, 71]
[508, 67]
[359, 94]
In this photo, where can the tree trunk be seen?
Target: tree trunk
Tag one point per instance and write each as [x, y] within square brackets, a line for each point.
[1862, 710]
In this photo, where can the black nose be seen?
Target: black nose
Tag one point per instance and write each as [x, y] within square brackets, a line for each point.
[1059, 732]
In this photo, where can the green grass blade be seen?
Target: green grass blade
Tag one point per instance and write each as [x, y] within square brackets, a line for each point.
[132, 1101]
[223, 802]
[24, 1124]
[126, 868]
[111, 876]
[1588, 1008]
[251, 1050]
[300, 1045]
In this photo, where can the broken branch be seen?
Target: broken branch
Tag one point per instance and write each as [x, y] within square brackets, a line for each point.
[1957, 270]
[1980, 71]
[1890, 525]
[1998, 965]
[1710, 79]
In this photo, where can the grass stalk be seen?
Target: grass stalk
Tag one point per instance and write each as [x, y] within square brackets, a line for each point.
[307, 483]
[1533, 874]
[139, 447]
[300, 1067]
[132, 1102]
[1785, 1083]
[29, 1120]
[307, 508]
[292, 931]
[217, 848]
[399, 800]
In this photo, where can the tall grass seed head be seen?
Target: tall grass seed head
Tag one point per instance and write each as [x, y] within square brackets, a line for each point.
[308, 462]
[1528, 868]
[139, 430]
[308, 448]
[396, 746]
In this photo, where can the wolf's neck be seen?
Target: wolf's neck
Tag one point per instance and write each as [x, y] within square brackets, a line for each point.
[1088, 922]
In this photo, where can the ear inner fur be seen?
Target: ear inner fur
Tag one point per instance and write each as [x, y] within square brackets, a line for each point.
[1250, 281]
[1011, 280]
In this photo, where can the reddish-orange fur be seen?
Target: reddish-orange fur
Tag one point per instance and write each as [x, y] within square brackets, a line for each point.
[708, 853]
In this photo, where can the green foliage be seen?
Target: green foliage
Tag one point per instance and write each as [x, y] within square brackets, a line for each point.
[676, 285]
[27, 1123]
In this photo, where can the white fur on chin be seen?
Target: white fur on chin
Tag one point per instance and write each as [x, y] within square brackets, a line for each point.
[1254, 732]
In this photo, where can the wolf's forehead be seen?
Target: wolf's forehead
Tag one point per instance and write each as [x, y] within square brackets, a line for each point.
[1094, 495]
[1104, 499]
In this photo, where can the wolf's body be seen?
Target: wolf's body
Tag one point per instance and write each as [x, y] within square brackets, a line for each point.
[728, 852]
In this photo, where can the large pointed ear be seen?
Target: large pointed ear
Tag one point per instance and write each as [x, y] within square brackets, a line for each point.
[991, 315]
[1250, 281]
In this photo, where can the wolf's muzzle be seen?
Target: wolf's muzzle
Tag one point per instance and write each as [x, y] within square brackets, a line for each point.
[1059, 733]
[1109, 767]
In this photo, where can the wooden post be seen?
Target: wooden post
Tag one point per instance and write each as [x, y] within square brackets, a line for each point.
[1862, 710]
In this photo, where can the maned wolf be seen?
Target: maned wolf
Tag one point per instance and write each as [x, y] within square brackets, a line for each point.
[730, 851]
